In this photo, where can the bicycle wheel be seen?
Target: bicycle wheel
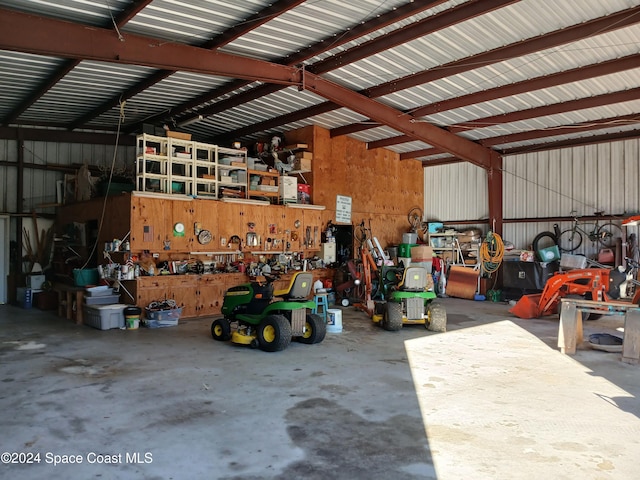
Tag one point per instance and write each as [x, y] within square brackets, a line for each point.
[608, 233]
[360, 234]
[570, 240]
[415, 217]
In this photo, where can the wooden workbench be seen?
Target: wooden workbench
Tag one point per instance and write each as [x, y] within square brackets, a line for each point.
[68, 295]
[570, 332]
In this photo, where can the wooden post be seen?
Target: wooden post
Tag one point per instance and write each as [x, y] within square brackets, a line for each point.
[631, 343]
[570, 332]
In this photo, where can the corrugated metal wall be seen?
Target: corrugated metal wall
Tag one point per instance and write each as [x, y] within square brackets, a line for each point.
[603, 177]
[40, 184]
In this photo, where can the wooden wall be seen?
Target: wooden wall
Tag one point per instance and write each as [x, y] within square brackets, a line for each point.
[382, 187]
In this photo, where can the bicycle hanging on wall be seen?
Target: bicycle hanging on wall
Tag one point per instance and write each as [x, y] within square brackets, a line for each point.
[605, 234]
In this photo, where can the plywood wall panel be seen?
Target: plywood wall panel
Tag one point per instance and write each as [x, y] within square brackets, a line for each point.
[383, 189]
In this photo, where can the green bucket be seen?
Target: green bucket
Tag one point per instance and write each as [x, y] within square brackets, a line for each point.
[404, 250]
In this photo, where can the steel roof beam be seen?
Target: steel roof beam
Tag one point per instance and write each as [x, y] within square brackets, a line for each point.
[276, 122]
[32, 34]
[547, 110]
[573, 33]
[57, 136]
[570, 34]
[588, 126]
[447, 141]
[320, 47]
[574, 142]
[102, 45]
[562, 130]
[69, 65]
[48, 84]
[568, 76]
[224, 38]
[387, 142]
[406, 34]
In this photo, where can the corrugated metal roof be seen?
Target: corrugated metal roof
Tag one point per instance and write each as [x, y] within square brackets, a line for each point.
[81, 11]
[91, 84]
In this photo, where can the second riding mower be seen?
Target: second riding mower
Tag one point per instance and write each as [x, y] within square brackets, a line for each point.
[258, 316]
[408, 300]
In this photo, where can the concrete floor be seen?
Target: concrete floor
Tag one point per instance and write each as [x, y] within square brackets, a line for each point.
[492, 398]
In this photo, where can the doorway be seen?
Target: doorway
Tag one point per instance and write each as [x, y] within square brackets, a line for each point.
[4, 257]
[344, 242]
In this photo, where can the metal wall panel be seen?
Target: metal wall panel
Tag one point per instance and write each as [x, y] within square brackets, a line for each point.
[40, 184]
[604, 177]
[455, 192]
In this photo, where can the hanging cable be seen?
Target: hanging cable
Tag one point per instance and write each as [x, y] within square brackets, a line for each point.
[121, 117]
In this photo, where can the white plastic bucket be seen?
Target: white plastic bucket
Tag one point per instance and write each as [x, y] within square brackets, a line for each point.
[132, 322]
[334, 320]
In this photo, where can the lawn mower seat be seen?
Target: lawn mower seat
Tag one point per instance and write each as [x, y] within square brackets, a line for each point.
[299, 288]
[414, 279]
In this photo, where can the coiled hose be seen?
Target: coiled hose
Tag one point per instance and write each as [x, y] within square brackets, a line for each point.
[491, 252]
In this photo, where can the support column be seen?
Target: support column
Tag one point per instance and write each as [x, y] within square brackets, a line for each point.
[495, 193]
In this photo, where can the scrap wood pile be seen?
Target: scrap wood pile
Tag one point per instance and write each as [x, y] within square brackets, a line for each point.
[40, 252]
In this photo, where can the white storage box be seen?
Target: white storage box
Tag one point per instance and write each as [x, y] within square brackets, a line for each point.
[568, 262]
[328, 252]
[288, 189]
[34, 282]
[102, 299]
[104, 317]
[99, 291]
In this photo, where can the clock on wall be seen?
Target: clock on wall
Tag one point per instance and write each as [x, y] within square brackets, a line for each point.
[178, 230]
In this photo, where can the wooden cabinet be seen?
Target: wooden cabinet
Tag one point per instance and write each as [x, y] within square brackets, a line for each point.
[150, 222]
[231, 221]
[179, 237]
[184, 290]
[209, 294]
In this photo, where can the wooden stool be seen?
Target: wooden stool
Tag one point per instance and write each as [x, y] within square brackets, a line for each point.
[67, 295]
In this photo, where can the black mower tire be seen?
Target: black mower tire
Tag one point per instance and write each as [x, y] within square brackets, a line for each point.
[392, 318]
[437, 318]
[538, 238]
[274, 333]
[221, 330]
[315, 329]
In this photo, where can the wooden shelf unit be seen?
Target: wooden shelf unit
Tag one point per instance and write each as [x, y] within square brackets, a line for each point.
[262, 177]
[447, 246]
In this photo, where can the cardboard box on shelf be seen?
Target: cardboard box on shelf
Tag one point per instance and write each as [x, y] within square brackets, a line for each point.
[305, 155]
[179, 135]
[302, 164]
[421, 253]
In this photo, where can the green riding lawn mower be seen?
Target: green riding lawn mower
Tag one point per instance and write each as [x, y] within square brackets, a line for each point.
[258, 316]
[407, 300]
